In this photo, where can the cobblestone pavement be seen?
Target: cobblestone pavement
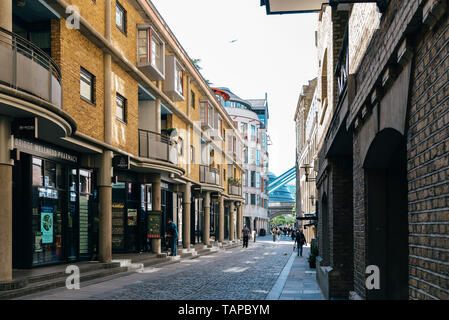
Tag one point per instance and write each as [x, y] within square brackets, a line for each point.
[236, 274]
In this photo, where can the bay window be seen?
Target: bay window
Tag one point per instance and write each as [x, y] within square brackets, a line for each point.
[150, 52]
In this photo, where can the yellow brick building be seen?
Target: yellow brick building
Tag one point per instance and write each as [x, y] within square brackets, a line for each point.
[117, 133]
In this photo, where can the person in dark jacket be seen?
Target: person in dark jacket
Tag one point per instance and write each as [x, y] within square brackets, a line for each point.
[293, 235]
[172, 234]
[245, 233]
[300, 241]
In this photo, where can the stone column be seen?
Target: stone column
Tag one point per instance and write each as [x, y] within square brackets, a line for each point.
[5, 199]
[157, 206]
[231, 221]
[105, 207]
[105, 170]
[221, 220]
[186, 216]
[206, 225]
[6, 15]
[239, 222]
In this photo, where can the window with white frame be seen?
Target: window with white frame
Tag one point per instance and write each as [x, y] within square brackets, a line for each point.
[179, 80]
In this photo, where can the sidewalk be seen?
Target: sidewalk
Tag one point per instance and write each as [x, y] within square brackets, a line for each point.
[297, 280]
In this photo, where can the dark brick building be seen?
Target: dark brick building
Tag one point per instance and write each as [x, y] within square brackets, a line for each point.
[383, 179]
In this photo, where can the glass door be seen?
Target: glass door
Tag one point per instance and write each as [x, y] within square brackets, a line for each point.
[72, 231]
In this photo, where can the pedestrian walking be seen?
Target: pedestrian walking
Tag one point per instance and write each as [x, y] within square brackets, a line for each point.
[293, 235]
[254, 234]
[279, 234]
[273, 233]
[245, 233]
[172, 235]
[300, 241]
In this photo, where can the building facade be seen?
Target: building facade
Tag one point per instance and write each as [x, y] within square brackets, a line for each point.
[251, 117]
[306, 121]
[383, 169]
[106, 134]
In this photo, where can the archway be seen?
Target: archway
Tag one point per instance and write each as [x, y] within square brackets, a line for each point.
[387, 219]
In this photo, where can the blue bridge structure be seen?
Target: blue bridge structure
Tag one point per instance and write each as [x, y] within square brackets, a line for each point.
[282, 197]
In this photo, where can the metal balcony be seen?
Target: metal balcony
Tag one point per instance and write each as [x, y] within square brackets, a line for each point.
[27, 68]
[156, 146]
[209, 175]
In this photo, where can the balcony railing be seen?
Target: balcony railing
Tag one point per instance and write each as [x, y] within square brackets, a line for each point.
[25, 67]
[156, 146]
[209, 175]
[235, 190]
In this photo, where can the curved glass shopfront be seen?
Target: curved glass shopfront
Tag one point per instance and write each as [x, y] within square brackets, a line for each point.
[55, 216]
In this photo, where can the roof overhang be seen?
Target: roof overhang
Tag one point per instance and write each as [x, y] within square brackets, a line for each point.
[308, 6]
[292, 6]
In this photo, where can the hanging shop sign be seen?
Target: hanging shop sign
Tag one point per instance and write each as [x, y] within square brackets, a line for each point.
[47, 224]
[154, 225]
[25, 128]
[121, 162]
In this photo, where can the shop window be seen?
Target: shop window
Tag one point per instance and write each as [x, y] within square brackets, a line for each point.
[50, 174]
[37, 172]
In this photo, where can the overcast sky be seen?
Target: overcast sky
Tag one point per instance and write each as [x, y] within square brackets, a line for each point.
[251, 53]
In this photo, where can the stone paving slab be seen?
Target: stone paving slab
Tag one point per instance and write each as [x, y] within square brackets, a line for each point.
[298, 281]
[234, 274]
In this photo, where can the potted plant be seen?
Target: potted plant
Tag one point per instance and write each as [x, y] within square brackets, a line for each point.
[233, 182]
[171, 132]
[314, 252]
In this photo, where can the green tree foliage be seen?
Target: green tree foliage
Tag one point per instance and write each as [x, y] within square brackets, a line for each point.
[196, 63]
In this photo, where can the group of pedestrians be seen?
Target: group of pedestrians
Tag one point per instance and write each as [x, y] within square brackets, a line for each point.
[296, 236]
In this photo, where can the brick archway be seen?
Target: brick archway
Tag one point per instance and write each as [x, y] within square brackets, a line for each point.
[385, 169]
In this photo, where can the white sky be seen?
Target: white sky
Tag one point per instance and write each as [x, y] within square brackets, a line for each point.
[273, 54]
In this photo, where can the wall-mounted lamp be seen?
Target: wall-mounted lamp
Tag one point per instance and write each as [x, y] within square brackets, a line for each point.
[306, 167]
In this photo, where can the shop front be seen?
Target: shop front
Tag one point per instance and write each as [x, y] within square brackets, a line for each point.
[55, 215]
[131, 205]
[197, 218]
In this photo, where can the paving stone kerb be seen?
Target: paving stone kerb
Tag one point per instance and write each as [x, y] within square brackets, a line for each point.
[236, 274]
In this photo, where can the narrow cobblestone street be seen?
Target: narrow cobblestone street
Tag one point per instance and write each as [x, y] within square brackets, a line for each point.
[238, 274]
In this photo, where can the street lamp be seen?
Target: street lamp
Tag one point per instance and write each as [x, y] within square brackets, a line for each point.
[306, 6]
[306, 168]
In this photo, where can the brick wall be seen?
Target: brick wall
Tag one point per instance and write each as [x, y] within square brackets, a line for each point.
[341, 227]
[428, 167]
[360, 227]
[71, 51]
